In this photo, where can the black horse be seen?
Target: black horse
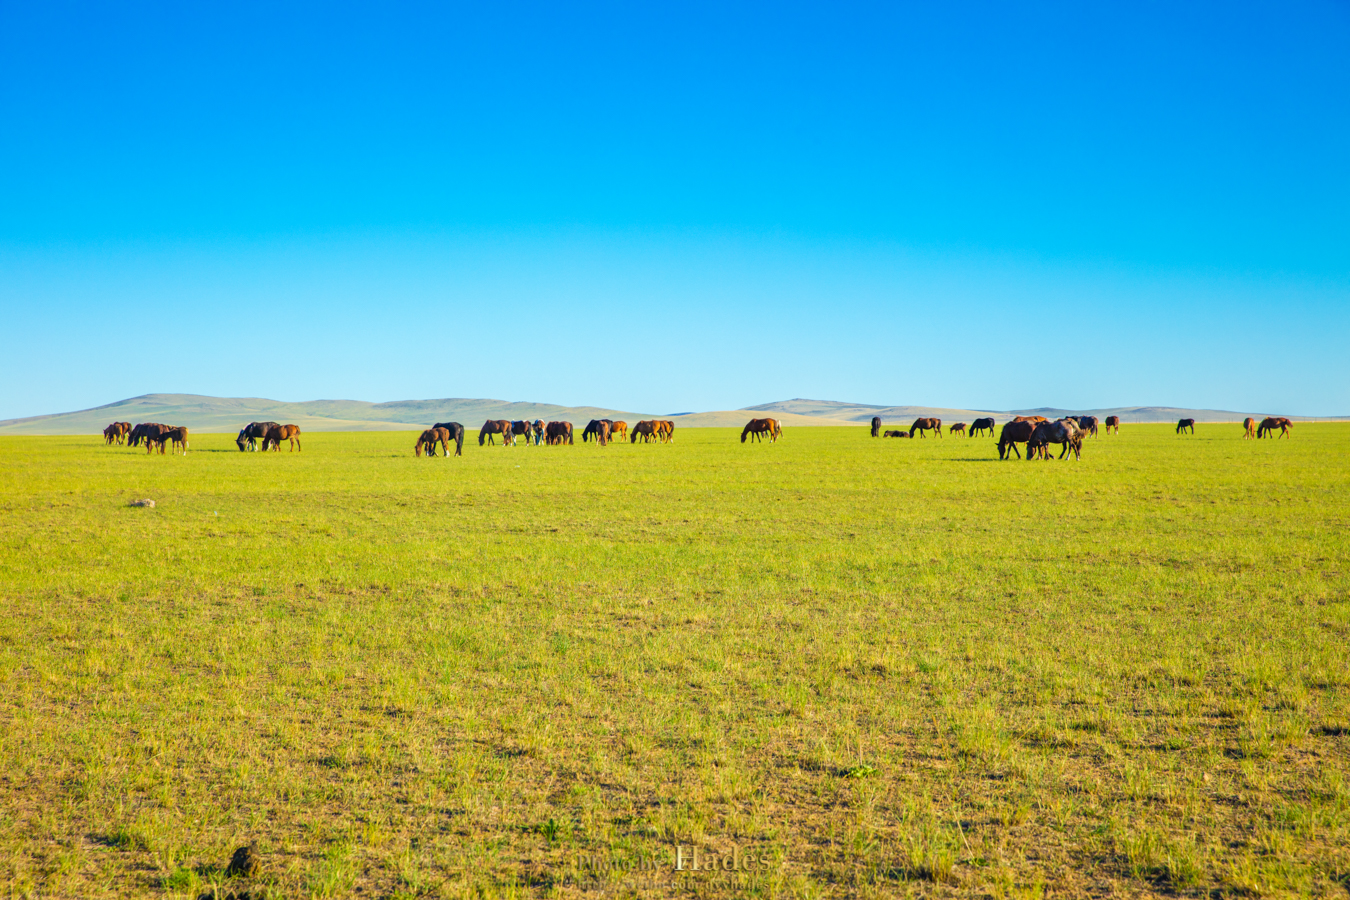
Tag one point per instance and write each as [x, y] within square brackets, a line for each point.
[876, 426]
[1184, 424]
[985, 424]
[457, 432]
[250, 433]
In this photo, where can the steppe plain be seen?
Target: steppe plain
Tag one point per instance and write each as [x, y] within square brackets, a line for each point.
[831, 666]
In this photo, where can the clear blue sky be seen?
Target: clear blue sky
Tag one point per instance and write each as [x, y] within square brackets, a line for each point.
[668, 208]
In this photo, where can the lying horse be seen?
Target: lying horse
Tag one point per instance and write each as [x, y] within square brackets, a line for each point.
[495, 426]
[1183, 424]
[958, 428]
[1014, 433]
[456, 434]
[981, 425]
[1270, 423]
[558, 433]
[1113, 424]
[760, 427]
[1248, 428]
[876, 425]
[924, 425]
[250, 433]
[1065, 432]
[903, 434]
[278, 433]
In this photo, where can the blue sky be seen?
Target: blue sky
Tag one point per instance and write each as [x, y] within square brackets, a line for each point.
[667, 208]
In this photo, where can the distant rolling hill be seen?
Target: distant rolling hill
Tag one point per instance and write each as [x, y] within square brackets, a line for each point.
[229, 414]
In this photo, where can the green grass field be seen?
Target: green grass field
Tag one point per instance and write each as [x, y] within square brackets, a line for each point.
[839, 666]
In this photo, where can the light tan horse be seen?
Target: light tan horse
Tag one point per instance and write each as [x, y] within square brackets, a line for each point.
[619, 430]
[1248, 429]
[665, 430]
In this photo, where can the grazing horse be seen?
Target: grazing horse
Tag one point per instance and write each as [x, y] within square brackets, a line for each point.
[495, 426]
[876, 425]
[1014, 433]
[591, 431]
[958, 428]
[278, 433]
[147, 432]
[1065, 432]
[428, 441]
[1183, 424]
[558, 433]
[250, 433]
[116, 432]
[761, 427]
[538, 428]
[523, 429]
[647, 429]
[1270, 423]
[1087, 423]
[1113, 424]
[903, 434]
[456, 434]
[665, 429]
[923, 425]
[980, 425]
[175, 437]
[1248, 428]
[618, 430]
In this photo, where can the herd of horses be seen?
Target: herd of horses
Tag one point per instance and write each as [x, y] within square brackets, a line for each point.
[1036, 432]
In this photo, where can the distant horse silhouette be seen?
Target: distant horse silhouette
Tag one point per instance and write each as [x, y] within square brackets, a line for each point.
[876, 425]
[1270, 423]
[1184, 424]
[251, 433]
[958, 428]
[456, 432]
[1113, 424]
[925, 425]
[1014, 433]
[492, 427]
[982, 425]
[1248, 428]
[278, 433]
[761, 427]
[591, 431]
[558, 433]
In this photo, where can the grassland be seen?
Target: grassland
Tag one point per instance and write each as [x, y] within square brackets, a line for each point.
[875, 667]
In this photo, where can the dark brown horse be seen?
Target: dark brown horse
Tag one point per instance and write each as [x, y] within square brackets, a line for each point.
[1270, 423]
[1184, 424]
[925, 425]
[1087, 423]
[145, 432]
[428, 440]
[177, 437]
[903, 434]
[456, 432]
[116, 432]
[876, 425]
[592, 430]
[1065, 432]
[1014, 433]
[759, 428]
[522, 429]
[982, 425]
[1113, 424]
[646, 429]
[492, 427]
[278, 433]
[558, 433]
[958, 428]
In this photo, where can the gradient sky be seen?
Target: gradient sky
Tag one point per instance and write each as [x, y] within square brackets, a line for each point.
[680, 207]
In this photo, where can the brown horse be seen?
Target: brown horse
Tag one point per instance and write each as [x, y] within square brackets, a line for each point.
[876, 425]
[601, 433]
[618, 430]
[495, 426]
[924, 425]
[116, 432]
[249, 434]
[456, 433]
[1034, 420]
[521, 429]
[278, 433]
[1065, 432]
[1014, 433]
[1248, 428]
[591, 431]
[665, 429]
[1184, 424]
[982, 425]
[558, 433]
[1270, 423]
[903, 434]
[958, 428]
[177, 437]
[646, 429]
[761, 427]
[1113, 424]
[428, 441]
